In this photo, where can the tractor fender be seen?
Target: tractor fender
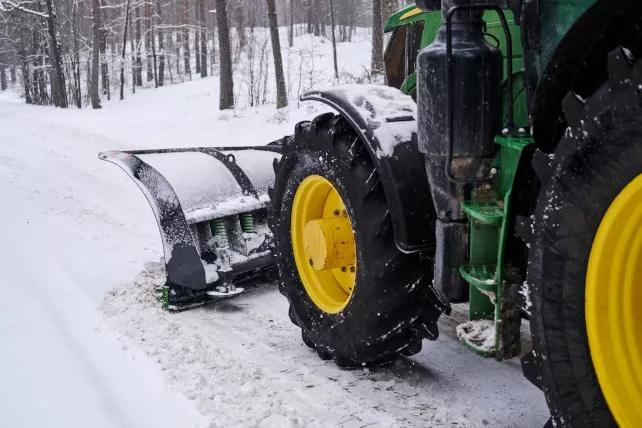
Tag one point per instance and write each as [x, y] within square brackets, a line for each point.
[386, 120]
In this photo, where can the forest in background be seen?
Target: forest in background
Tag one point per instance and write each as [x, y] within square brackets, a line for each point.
[82, 52]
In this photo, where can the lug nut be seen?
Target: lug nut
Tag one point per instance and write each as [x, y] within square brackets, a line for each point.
[343, 269]
[310, 262]
[352, 269]
[336, 212]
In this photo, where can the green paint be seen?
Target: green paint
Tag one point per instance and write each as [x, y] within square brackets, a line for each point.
[489, 213]
[432, 22]
[556, 18]
[218, 229]
[486, 212]
[165, 297]
[395, 20]
[247, 222]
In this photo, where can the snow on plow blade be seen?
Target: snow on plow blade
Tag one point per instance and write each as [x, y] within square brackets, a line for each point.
[211, 208]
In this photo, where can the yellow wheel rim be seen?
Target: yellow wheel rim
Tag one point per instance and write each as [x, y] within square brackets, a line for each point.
[613, 299]
[323, 244]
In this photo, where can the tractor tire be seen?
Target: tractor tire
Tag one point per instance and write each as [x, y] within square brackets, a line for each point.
[600, 155]
[392, 306]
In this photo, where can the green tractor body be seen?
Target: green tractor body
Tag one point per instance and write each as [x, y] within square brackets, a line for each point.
[411, 30]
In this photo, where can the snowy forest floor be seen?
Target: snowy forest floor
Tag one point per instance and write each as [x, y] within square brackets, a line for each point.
[77, 352]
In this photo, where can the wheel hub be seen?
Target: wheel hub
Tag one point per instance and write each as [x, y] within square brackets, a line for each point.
[323, 244]
[329, 243]
[613, 297]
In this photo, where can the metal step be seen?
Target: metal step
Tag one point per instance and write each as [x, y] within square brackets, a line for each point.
[483, 277]
[486, 212]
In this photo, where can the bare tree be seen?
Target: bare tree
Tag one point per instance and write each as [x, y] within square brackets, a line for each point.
[149, 42]
[3, 68]
[225, 55]
[3, 76]
[58, 85]
[203, 29]
[377, 38]
[104, 66]
[291, 32]
[160, 80]
[186, 52]
[197, 38]
[122, 64]
[138, 61]
[95, 55]
[281, 96]
[334, 41]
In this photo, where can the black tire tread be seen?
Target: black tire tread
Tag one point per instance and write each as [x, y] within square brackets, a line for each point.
[331, 142]
[560, 363]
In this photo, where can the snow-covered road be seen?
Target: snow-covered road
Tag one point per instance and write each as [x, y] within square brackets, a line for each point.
[72, 228]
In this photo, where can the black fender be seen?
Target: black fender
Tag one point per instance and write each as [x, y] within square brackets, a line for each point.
[369, 110]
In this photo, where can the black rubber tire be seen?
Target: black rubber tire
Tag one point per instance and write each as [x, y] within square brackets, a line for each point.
[393, 303]
[599, 155]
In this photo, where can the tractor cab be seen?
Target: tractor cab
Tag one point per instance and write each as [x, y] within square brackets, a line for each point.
[404, 33]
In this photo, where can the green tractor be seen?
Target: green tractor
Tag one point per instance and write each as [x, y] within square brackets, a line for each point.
[500, 166]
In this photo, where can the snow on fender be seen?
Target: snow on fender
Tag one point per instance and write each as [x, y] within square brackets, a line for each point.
[386, 120]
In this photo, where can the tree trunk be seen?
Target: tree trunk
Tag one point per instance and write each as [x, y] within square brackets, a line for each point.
[202, 23]
[60, 95]
[12, 74]
[132, 49]
[3, 77]
[281, 95]
[334, 41]
[161, 45]
[122, 62]
[3, 72]
[377, 38]
[76, 58]
[225, 54]
[148, 42]
[26, 80]
[155, 68]
[138, 61]
[103, 56]
[95, 54]
[186, 52]
[291, 32]
[197, 38]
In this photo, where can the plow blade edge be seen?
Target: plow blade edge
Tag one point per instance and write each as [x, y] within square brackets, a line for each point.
[211, 208]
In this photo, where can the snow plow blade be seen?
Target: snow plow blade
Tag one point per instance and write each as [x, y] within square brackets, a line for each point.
[211, 208]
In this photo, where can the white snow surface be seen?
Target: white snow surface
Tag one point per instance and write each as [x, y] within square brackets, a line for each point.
[85, 345]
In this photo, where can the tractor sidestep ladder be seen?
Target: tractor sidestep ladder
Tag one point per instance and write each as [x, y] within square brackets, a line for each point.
[494, 319]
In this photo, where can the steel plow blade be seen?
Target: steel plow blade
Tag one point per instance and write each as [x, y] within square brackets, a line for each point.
[210, 204]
